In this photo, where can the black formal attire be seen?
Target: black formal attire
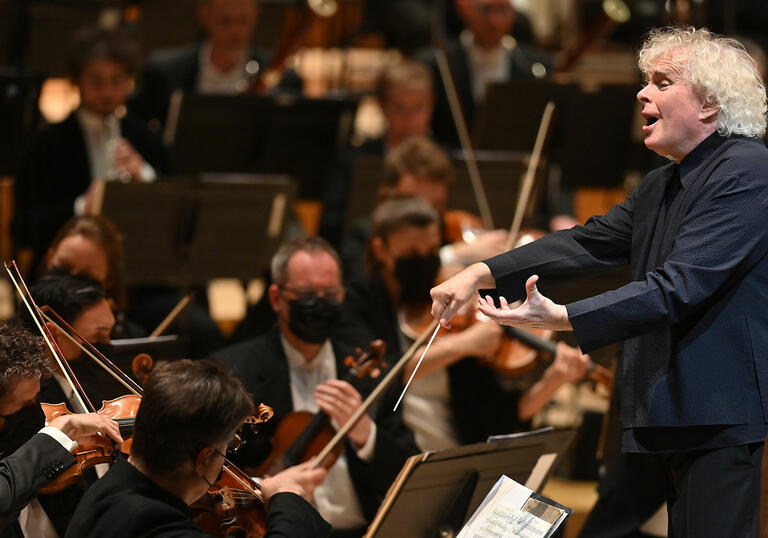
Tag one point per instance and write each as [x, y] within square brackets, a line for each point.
[23, 473]
[60, 506]
[126, 503]
[262, 366]
[694, 375]
[476, 393]
[169, 70]
[56, 170]
[521, 61]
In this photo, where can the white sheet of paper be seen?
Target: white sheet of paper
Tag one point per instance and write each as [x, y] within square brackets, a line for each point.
[506, 492]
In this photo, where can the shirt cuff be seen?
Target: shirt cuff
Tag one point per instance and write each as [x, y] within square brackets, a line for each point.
[365, 452]
[147, 174]
[61, 437]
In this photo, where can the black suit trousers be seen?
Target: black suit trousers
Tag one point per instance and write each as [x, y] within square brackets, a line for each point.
[714, 493]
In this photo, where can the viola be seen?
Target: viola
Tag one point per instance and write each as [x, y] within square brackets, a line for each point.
[302, 435]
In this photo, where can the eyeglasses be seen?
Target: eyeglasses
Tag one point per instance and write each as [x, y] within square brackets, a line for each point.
[235, 444]
[313, 293]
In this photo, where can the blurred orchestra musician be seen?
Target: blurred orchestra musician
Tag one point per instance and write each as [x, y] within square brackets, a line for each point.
[98, 141]
[299, 366]
[455, 399]
[190, 413]
[82, 303]
[91, 246]
[485, 52]
[224, 63]
[32, 452]
[420, 167]
[406, 96]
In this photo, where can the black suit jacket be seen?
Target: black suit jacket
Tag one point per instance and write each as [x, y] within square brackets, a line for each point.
[521, 61]
[23, 473]
[481, 406]
[694, 321]
[169, 70]
[56, 170]
[126, 503]
[262, 367]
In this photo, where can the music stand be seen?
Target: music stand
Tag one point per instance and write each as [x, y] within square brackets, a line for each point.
[501, 172]
[184, 233]
[277, 134]
[588, 121]
[439, 489]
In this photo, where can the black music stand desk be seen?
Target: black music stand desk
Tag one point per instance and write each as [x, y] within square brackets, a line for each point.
[437, 492]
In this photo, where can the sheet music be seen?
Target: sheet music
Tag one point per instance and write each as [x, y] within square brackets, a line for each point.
[509, 511]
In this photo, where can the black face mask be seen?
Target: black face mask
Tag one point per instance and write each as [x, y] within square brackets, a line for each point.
[313, 320]
[20, 427]
[416, 276]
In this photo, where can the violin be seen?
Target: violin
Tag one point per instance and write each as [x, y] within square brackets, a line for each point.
[233, 505]
[98, 449]
[302, 435]
[123, 410]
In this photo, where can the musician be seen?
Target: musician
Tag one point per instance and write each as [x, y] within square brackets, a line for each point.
[82, 303]
[405, 93]
[91, 246]
[456, 400]
[224, 63]
[298, 366]
[32, 452]
[485, 52]
[420, 167]
[189, 414]
[694, 234]
[97, 141]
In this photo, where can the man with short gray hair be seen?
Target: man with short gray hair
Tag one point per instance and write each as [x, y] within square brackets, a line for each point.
[695, 370]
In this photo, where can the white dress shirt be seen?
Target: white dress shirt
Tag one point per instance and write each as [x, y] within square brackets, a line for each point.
[101, 137]
[335, 498]
[486, 66]
[212, 80]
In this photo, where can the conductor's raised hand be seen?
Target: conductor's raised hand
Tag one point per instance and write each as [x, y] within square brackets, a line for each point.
[448, 297]
[537, 312]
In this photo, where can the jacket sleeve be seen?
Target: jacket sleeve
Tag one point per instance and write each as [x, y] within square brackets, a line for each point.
[722, 238]
[604, 241]
[290, 516]
[23, 473]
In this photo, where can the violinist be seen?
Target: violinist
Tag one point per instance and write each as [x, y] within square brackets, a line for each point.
[82, 303]
[455, 399]
[91, 246]
[223, 63]
[32, 452]
[189, 415]
[419, 167]
[405, 93]
[96, 141]
[299, 366]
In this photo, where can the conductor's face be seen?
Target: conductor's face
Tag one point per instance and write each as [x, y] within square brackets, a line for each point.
[676, 120]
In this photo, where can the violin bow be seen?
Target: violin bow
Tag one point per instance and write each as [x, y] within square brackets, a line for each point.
[468, 150]
[89, 349]
[58, 355]
[377, 392]
[526, 187]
